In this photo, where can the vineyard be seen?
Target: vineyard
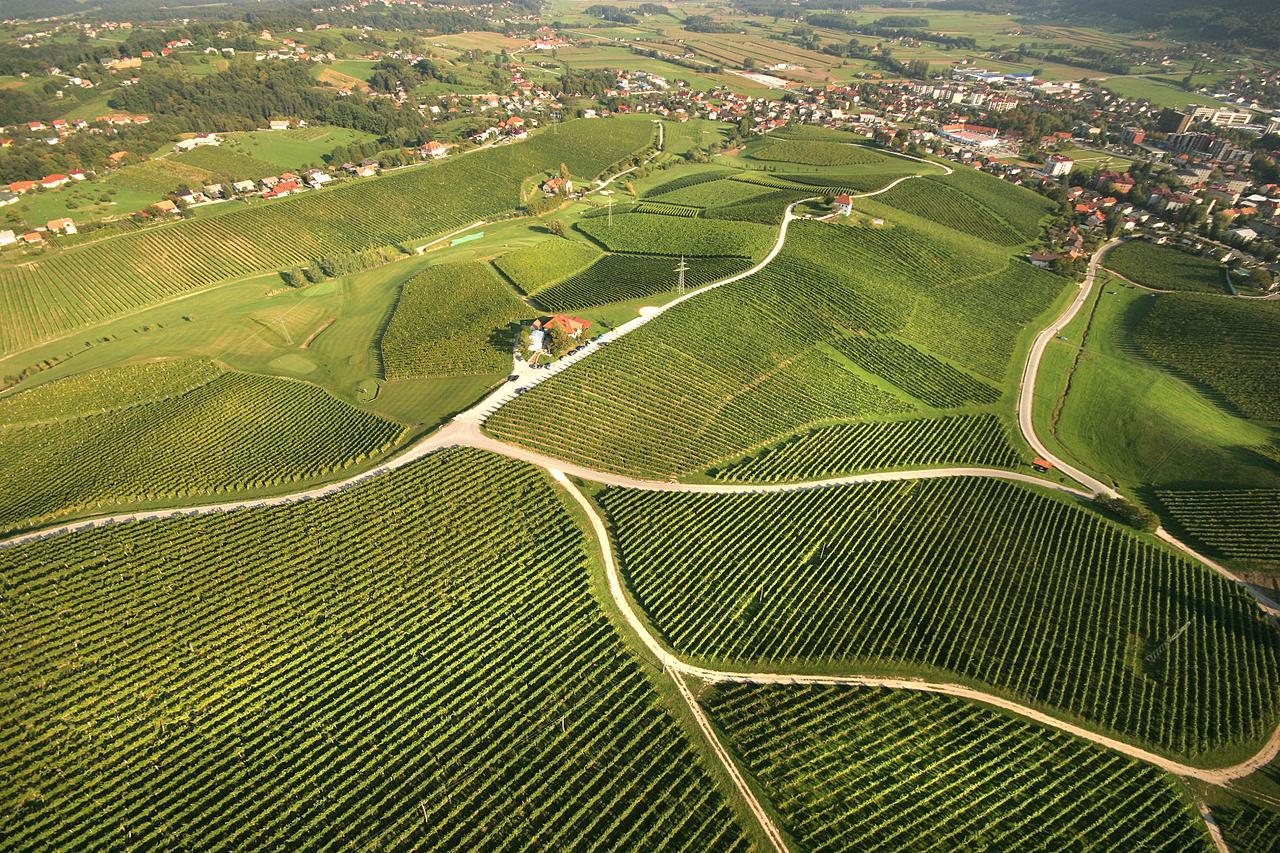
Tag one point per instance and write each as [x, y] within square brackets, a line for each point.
[1238, 525]
[751, 363]
[78, 286]
[935, 200]
[853, 768]
[817, 153]
[615, 278]
[974, 578]
[541, 265]
[652, 234]
[225, 161]
[1020, 208]
[173, 436]
[452, 319]
[840, 449]
[1227, 348]
[1248, 827]
[416, 663]
[931, 381]
[1166, 268]
[714, 193]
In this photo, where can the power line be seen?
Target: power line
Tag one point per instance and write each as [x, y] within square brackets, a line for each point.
[681, 269]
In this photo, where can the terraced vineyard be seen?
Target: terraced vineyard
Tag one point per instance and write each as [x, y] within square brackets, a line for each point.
[934, 199]
[749, 364]
[1166, 268]
[415, 663]
[645, 233]
[178, 430]
[931, 381]
[970, 578]
[1226, 347]
[840, 449]
[1239, 525]
[452, 319]
[852, 768]
[69, 289]
[615, 278]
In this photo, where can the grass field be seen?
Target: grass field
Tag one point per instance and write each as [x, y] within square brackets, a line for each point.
[980, 579]
[747, 365]
[418, 662]
[868, 769]
[1165, 268]
[137, 435]
[1159, 93]
[66, 290]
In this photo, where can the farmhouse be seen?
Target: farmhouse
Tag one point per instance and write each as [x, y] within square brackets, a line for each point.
[244, 186]
[572, 327]
[21, 187]
[32, 237]
[52, 182]
[844, 204]
[434, 150]
[166, 206]
[63, 226]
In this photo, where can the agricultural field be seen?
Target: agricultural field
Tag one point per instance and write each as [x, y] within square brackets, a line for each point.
[930, 380]
[841, 449]
[657, 234]
[1165, 268]
[1159, 93]
[1248, 826]
[619, 277]
[1018, 207]
[225, 161]
[984, 580]
[1228, 347]
[537, 267]
[934, 199]
[1239, 525]
[62, 291]
[416, 662]
[857, 768]
[294, 148]
[816, 153]
[452, 319]
[171, 430]
[749, 364]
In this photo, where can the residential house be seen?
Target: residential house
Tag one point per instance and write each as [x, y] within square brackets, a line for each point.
[844, 204]
[61, 226]
[166, 206]
[7, 237]
[572, 327]
[52, 182]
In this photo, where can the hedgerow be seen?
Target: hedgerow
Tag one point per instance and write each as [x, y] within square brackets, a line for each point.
[974, 578]
[418, 662]
[233, 432]
[859, 768]
[452, 319]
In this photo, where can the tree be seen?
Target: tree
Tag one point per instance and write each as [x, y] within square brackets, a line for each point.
[293, 277]
[557, 228]
[564, 171]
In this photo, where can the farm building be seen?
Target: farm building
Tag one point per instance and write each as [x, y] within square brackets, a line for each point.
[7, 237]
[844, 204]
[572, 327]
[63, 226]
[197, 141]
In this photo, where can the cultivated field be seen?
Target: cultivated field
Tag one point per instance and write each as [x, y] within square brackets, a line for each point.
[1240, 525]
[974, 578]
[869, 769]
[1165, 268]
[63, 291]
[417, 663]
[134, 435]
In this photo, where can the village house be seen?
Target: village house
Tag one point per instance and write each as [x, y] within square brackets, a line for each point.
[844, 204]
[31, 238]
[197, 141]
[166, 206]
[54, 181]
[61, 226]
[434, 150]
[571, 327]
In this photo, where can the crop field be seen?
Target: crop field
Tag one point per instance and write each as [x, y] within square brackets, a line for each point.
[1241, 525]
[931, 381]
[1166, 268]
[937, 201]
[452, 319]
[652, 234]
[853, 768]
[1018, 207]
[840, 449]
[179, 431]
[416, 663]
[690, 180]
[541, 265]
[158, 177]
[66, 290]
[828, 183]
[742, 367]
[1248, 827]
[767, 208]
[664, 208]
[818, 153]
[614, 278]
[223, 161]
[713, 193]
[1227, 347]
[975, 578]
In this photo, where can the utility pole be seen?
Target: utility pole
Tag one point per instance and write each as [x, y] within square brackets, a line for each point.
[681, 269]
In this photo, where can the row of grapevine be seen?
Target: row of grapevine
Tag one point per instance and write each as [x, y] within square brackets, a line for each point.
[931, 381]
[935, 200]
[817, 153]
[541, 265]
[1227, 347]
[88, 283]
[689, 181]
[614, 278]
[417, 663]
[1167, 268]
[975, 578]
[1243, 525]
[710, 193]
[233, 433]
[649, 234]
[840, 449]
[1020, 208]
[452, 319]
[1249, 827]
[746, 365]
[852, 768]
[663, 208]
